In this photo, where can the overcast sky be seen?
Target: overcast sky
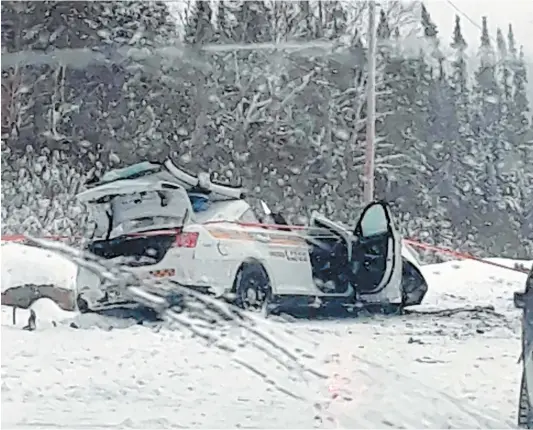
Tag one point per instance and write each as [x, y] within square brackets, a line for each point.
[499, 14]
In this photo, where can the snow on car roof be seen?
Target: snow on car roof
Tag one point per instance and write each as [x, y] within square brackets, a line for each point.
[223, 210]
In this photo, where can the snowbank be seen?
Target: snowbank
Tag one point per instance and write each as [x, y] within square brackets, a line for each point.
[460, 283]
[24, 265]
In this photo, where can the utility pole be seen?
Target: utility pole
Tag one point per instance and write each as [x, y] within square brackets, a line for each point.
[370, 149]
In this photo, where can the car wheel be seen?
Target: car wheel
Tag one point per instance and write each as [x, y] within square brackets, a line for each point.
[252, 289]
[525, 417]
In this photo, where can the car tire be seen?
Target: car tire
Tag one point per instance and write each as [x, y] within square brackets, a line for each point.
[253, 290]
[525, 416]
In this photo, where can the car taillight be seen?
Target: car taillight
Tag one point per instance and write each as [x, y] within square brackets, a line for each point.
[187, 240]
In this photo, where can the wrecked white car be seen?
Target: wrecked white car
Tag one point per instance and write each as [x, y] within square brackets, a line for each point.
[164, 222]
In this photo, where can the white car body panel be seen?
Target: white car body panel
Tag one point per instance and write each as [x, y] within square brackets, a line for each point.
[410, 255]
[226, 246]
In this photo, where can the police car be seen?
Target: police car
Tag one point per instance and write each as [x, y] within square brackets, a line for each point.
[164, 222]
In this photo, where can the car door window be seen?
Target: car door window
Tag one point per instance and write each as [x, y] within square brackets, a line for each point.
[374, 221]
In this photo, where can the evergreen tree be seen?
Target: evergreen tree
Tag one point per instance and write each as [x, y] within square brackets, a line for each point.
[383, 30]
[336, 20]
[495, 153]
[84, 114]
[504, 70]
[199, 27]
[72, 96]
[222, 33]
[521, 128]
[486, 74]
[435, 79]
[511, 41]
[462, 153]
[428, 26]
[487, 94]
[459, 75]
[400, 109]
[307, 20]
[520, 100]
[253, 22]
[454, 157]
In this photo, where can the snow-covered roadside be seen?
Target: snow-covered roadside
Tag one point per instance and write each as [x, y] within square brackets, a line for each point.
[134, 378]
[140, 378]
[412, 371]
[23, 264]
[468, 358]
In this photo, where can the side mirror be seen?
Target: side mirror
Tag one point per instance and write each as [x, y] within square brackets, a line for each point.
[519, 300]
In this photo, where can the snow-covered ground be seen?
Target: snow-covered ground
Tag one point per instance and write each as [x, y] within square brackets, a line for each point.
[415, 371]
[28, 265]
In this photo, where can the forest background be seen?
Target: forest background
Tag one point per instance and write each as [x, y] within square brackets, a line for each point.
[88, 86]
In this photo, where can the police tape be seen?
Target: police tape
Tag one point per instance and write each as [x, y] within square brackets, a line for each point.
[463, 255]
[417, 244]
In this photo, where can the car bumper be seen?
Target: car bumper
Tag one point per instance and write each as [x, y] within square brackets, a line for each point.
[97, 293]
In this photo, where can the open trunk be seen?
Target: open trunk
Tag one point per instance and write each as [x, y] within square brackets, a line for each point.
[131, 206]
[136, 250]
[141, 219]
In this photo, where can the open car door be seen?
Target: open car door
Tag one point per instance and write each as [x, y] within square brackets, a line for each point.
[330, 249]
[376, 258]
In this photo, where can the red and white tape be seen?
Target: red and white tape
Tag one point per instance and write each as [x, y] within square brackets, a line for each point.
[437, 249]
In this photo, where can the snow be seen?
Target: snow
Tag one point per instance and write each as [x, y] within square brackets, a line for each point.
[23, 264]
[413, 371]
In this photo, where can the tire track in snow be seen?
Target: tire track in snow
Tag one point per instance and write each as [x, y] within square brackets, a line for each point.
[226, 315]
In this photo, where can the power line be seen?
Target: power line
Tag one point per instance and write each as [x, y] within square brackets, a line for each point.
[464, 15]
[471, 20]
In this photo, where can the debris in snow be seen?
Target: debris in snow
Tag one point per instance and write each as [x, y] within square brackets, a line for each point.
[32, 321]
[428, 360]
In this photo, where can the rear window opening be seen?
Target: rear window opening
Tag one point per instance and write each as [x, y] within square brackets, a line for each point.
[139, 212]
[143, 249]
[137, 250]
[199, 202]
[140, 225]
